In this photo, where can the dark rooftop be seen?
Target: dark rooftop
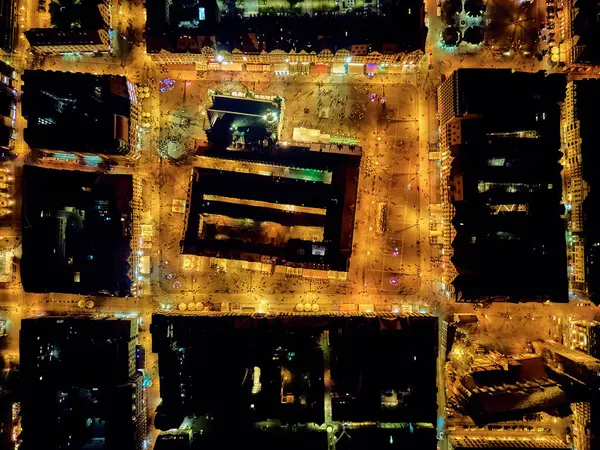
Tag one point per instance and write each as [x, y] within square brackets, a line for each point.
[505, 186]
[86, 352]
[76, 112]
[530, 89]
[56, 36]
[586, 25]
[271, 368]
[76, 232]
[235, 229]
[8, 25]
[244, 106]
[73, 22]
[255, 31]
[76, 14]
[81, 384]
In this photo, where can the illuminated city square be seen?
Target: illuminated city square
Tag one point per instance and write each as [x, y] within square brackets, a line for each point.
[353, 224]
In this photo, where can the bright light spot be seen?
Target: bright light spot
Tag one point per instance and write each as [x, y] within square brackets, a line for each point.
[220, 58]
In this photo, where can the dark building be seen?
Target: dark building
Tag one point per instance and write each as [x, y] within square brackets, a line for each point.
[50, 40]
[181, 25]
[188, 26]
[76, 232]
[503, 185]
[296, 370]
[305, 219]
[140, 358]
[8, 108]
[79, 384]
[9, 30]
[77, 112]
[584, 16]
[75, 27]
[238, 369]
[369, 384]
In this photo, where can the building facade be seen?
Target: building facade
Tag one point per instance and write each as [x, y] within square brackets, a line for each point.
[8, 108]
[446, 112]
[582, 335]
[576, 189]
[580, 161]
[227, 60]
[581, 420]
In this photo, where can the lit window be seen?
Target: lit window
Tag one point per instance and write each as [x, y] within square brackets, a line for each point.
[46, 121]
[496, 162]
[318, 250]
[482, 186]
